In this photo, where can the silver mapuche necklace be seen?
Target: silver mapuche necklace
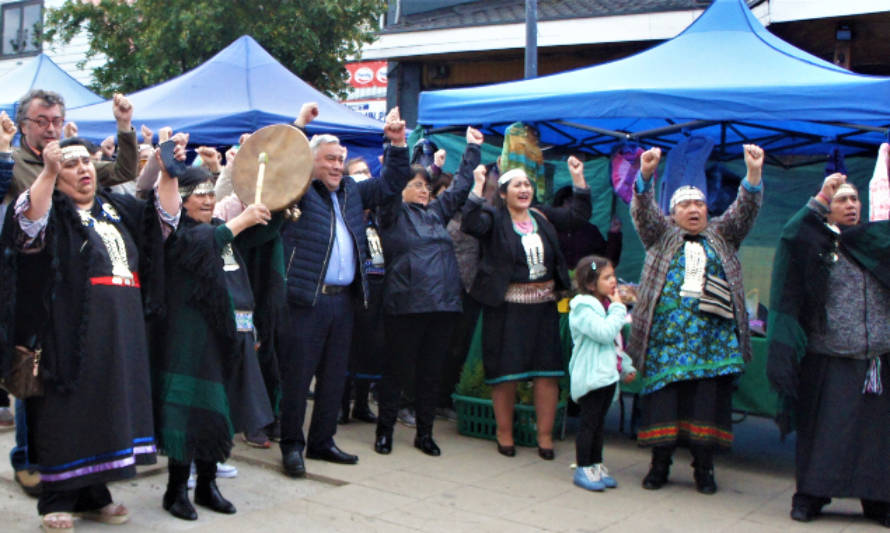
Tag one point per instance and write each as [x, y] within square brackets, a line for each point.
[111, 238]
[230, 264]
[534, 251]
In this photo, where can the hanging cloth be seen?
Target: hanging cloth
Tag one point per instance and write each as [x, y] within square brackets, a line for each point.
[625, 163]
[685, 166]
[879, 187]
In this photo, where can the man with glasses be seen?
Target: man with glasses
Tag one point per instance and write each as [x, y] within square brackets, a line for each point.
[40, 116]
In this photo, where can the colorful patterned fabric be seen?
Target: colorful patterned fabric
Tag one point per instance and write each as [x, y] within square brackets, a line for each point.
[685, 343]
[522, 151]
[683, 430]
[662, 238]
[693, 413]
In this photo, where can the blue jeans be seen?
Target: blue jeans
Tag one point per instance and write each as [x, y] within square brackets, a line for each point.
[18, 457]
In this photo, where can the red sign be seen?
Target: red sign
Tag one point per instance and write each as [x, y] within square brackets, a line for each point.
[367, 74]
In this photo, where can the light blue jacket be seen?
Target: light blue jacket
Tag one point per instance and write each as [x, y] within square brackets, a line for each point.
[594, 362]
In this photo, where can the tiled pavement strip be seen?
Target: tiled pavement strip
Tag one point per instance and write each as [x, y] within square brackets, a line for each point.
[471, 488]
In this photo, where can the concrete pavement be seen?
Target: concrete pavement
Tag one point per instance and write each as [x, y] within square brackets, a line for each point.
[474, 489]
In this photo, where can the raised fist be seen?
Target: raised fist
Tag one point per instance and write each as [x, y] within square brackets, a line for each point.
[576, 167]
[649, 162]
[394, 128]
[122, 110]
[474, 136]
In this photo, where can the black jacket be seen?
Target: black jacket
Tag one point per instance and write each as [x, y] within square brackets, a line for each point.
[493, 228]
[421, 271]
[308, 241]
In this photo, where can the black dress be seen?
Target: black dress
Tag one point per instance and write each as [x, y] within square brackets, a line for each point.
[100, 430]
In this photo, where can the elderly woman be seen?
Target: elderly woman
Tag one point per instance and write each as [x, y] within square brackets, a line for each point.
[690, 327]
[519, 273]
[79, 269]
[828, 338]
[208, 381]
[421, 295]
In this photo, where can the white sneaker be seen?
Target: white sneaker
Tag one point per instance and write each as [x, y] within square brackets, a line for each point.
[607, 480]
[588, 477]
[224, 470]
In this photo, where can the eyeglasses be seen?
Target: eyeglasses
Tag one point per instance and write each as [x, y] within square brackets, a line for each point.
[44, 122]
[419, 185]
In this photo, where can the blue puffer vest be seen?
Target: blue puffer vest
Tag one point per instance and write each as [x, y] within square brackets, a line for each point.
[308, 241]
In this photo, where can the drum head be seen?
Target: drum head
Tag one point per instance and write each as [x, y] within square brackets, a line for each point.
[288, 170]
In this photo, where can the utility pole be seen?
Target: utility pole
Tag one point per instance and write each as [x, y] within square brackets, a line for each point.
[531, 39]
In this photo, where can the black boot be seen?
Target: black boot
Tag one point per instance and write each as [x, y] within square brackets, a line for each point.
[703, 473]
[360, 409]
[207, 493]
[805, 507]
[383, 440]
[875, 510]
[661, 467]
[176, 499]
[343, 418]
[425, 443]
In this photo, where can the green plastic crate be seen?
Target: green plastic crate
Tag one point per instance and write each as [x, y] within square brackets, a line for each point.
[475, 418]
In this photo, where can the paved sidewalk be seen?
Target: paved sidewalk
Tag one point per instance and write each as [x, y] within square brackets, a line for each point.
[474, 489]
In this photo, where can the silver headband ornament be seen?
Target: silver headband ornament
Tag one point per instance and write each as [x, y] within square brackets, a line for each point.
[203, 188]
[685, 193]
[845, 189]
[75, 151]
[509, 175]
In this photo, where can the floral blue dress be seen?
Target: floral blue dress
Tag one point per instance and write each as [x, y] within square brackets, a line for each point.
[684, 343]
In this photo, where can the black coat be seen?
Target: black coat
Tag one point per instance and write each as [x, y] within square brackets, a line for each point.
[493, 227]
[421, 271]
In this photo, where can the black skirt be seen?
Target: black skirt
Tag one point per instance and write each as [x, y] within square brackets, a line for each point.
[520, 342]
[843, 435]
[693, 413]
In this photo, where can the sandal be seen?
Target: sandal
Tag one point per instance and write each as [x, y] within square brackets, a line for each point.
[57, 523]
[113, 513]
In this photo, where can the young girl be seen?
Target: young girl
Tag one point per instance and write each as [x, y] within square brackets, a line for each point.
[597, 364]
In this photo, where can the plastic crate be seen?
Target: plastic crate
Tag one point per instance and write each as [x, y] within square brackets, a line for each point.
[475, 418]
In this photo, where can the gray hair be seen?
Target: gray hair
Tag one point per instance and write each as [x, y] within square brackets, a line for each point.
[50, 97]
[324, 138]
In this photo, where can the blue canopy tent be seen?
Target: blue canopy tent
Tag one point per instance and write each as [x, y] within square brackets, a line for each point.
[725, 76]
[42, 73]
[240, 89]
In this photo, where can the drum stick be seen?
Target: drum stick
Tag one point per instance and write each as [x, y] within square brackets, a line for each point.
[262, 159]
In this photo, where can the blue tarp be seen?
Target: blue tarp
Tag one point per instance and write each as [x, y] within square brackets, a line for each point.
[240, 89]
[42, 73]
[725, 75]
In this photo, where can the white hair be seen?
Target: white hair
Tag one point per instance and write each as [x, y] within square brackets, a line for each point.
[324, 138]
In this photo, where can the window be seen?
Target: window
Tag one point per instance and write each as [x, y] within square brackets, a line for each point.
[21, 23]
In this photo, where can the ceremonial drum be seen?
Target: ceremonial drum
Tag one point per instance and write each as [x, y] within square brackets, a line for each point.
[276, 158]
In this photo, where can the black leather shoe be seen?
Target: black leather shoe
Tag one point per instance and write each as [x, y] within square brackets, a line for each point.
[293, 463]
[343, 418]
[427, 445]
[509, 451]
[332, 455]
[802, 513]
[873, 510]
[657, 477]
[207, 495]
[364, 414]
[383, 444]
[176, 502]
[704, 480]
[546, 454]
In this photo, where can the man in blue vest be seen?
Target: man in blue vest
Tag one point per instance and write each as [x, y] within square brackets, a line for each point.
[325, 273]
